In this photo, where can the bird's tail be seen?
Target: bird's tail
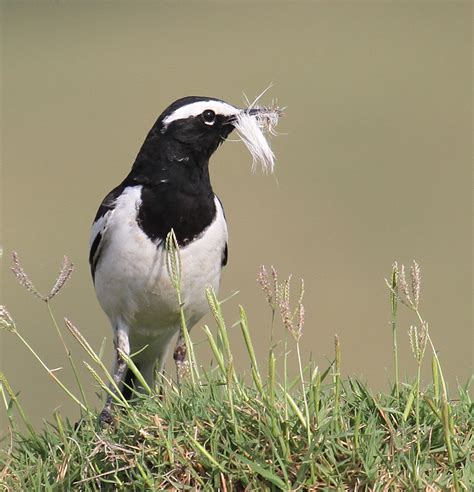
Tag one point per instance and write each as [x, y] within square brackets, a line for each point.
[129, 382]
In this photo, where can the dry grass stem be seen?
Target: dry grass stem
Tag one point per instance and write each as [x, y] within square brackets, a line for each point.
[269, 115]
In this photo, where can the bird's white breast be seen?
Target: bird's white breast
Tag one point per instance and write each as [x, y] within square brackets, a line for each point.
[131, 278]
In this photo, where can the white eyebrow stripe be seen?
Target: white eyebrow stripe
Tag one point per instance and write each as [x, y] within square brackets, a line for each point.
[196, 108]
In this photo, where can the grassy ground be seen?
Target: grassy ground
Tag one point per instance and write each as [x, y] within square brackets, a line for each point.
[214, 431]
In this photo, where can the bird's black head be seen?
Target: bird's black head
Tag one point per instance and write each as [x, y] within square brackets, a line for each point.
[189, 131]
[197, 123]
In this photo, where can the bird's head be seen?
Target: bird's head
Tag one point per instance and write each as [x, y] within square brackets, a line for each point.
[200, 124]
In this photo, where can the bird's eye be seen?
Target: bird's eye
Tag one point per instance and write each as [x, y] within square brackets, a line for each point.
[209, 117]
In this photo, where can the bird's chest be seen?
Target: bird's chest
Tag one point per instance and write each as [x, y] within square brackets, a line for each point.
[132, 279]
[187, 212]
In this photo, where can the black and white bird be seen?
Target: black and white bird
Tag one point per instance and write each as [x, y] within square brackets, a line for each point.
[168, 188]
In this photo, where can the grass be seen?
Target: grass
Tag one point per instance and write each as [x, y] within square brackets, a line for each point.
[216, 430]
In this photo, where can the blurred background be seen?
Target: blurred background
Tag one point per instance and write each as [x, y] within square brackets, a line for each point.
[373, 165]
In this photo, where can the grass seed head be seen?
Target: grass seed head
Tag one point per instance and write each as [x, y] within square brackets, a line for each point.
[287, 314]
[415, 274]
[264, 282]
[394, 278]
[22, 276]
[409, 295]
[64, 275]
[300, 317]
[183, 369]
[418, 339]
[402, 281]
[6, 321]
[275, 282]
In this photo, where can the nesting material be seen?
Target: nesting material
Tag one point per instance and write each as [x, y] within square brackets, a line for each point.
[251, 125]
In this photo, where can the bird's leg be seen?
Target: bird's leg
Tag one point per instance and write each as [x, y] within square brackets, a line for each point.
[121, 343]
[179, 356]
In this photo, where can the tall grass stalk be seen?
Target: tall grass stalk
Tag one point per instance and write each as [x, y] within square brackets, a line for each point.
[96, 359]
[216, 310]
[418, 345]
[337, 382]
[250, 350]
[408, 293]
[174, 272]
[393, 307]
[51, 373]
[435, 375]
[6, 388]
[62, 278]
[68, 353]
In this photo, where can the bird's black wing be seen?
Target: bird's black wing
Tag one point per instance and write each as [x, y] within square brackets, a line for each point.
[225, 255]
[225, 252]
[99, 226]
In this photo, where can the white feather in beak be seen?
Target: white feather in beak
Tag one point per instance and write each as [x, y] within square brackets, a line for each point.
[251, 125]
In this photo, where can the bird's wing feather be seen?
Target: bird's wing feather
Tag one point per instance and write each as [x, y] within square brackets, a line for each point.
[225, 252]
[99, 227]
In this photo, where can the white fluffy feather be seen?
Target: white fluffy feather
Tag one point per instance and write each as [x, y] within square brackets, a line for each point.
[251, 128]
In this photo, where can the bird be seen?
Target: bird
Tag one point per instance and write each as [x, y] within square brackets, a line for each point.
[167, 189]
